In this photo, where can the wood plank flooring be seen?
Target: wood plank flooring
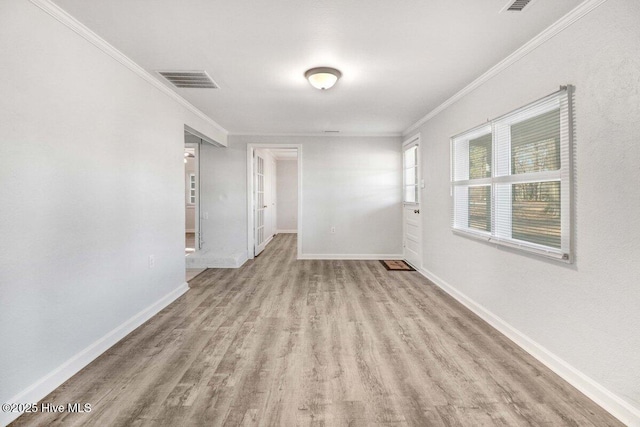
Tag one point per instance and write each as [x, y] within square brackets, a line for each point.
[284, 342]
[190, 273]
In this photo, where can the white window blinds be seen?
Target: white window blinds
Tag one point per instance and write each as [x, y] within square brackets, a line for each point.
[511, 179]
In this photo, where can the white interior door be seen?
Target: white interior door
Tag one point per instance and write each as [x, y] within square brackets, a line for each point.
[192, 196]
[268, 197]
[259, 203]
[412, 182]
[274, 197]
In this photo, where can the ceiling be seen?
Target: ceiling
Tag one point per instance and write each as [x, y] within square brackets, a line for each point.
[399, 60]
[284, 153]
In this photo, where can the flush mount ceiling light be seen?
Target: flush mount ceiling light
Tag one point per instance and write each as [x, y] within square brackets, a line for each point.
[322, 77]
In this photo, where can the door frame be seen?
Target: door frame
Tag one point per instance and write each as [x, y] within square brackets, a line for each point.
[259, 246]
[198, 234]
[251, 147]
[411, 141]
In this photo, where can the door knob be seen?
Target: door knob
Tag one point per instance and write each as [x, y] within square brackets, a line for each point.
[265, 206]
[416, 211]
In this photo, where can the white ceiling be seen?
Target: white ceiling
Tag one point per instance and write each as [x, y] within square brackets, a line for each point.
[399, 59]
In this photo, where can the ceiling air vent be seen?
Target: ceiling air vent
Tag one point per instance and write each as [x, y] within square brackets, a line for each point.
[516, 5]
[189, 79]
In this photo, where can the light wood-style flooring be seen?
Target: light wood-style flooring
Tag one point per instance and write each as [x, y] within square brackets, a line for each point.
[281, 342]
[189, 243]
[190, 273]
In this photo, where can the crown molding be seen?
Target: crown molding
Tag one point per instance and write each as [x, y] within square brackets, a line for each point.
[554, 29]
[62, 16]
[321, 134]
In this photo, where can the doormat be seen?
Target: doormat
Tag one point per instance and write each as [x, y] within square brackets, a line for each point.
[396, 265]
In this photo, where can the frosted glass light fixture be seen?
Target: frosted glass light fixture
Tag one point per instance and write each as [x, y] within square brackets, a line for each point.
[322, 77]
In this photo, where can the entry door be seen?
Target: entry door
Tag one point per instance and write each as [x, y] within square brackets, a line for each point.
[259, 203]
[412, 226]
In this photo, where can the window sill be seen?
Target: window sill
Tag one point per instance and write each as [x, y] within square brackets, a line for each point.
[555, 255]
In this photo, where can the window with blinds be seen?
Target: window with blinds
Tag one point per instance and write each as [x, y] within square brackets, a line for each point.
[511, 178]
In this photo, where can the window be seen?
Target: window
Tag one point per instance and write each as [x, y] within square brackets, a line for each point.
[511, 179]
[410, 162]
[192, 188]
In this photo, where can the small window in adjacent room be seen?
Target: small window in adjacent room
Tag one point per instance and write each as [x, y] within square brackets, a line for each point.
[511, 179]
[192, 188]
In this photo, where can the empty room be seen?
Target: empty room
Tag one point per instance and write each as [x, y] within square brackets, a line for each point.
[337, 213]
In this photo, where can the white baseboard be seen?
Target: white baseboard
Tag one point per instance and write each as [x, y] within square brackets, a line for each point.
[351, 256]
[207, 259]
[45, 385]
[614, 404]
[241, 260]
[287, 231]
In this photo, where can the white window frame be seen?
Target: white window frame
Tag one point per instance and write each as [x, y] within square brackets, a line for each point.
[192, 189]
[405, 147]
[502, 179]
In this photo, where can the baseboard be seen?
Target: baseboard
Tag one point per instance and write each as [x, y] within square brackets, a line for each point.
[241, 260]
[41, 388]
[351, 256]
[614, 404]
[287, 231]
[206, 259]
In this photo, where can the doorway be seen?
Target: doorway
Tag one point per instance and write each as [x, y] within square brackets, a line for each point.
[273, 191]
[192, 195]
[412, 183]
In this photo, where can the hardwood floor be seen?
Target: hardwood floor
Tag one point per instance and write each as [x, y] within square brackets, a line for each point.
[190, 273]
[189, 243]
[287, 342]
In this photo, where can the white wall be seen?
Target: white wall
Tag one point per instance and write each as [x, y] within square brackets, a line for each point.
[352, 183]
[588, 313]
[223, 202]
[287, 194]
[91, 184]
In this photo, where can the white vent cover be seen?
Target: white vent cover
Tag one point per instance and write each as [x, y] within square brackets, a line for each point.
[189, 79]
[516, 5]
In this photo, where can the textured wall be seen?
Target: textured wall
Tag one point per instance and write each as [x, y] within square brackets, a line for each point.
[91, 183]
[586, 313]
[351, 183]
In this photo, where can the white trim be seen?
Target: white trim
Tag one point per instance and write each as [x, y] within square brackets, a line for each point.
[286, 231]
[614, 404]
[328, 135]
[351, 256]
[202, 136]
[241, 260]
[45, 385]
[206, 259]
[412, 140]
[75, 25]
[554, 29]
